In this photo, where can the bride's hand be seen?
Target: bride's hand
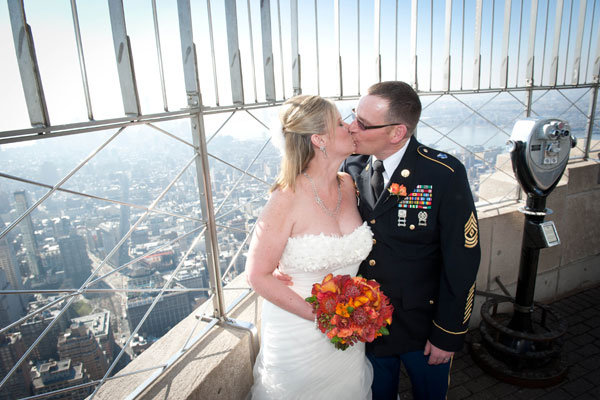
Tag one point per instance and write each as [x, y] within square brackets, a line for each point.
[283, 278]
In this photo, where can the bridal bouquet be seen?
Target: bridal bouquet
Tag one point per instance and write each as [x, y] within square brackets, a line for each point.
[350, 309]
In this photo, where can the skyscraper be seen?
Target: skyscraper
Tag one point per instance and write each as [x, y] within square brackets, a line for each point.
[8, 263]
[11, 308]
[75, 259]
[124, 220]
[29, 241]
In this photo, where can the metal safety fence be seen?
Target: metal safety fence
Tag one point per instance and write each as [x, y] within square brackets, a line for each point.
[169, 158]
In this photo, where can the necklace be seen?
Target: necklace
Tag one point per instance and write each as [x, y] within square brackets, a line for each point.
[333, 213]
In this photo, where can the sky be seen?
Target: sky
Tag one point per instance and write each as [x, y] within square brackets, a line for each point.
[52, 26]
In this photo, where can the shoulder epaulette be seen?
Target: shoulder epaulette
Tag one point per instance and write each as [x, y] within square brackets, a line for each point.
[435, 156]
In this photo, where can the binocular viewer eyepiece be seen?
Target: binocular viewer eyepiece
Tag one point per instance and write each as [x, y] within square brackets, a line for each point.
[539, 152]
[555, 130]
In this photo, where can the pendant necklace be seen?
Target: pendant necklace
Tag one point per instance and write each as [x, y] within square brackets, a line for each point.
[333, 213]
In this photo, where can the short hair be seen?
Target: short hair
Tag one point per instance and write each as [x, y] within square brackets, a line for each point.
[403, 102]
[301, 117]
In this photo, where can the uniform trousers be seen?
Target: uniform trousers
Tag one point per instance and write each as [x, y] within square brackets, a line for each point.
[429, 382]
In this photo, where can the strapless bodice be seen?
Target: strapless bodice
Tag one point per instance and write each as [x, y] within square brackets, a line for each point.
[309, 258]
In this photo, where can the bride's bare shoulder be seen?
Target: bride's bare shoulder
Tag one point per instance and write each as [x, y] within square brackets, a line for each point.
[280, 201]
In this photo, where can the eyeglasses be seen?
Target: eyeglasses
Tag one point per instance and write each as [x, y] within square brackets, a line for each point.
[363, 127]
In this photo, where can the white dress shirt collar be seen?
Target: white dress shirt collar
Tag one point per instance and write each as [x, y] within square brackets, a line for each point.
[391, 163]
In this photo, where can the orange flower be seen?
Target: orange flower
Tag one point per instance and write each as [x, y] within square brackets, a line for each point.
[328, 285]
[332, 333]
[342, 310]
[345, 332]
[397, 190]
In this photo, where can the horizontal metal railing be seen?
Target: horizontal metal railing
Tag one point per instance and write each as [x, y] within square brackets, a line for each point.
[517, 48]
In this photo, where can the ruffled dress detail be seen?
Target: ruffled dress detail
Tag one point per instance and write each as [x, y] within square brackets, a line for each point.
[296, 360]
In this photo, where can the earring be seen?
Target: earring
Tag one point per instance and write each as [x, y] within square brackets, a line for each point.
[322, 148]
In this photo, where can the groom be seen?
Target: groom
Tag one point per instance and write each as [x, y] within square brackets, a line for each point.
[426, 252]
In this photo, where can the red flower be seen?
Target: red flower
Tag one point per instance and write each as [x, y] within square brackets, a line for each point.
[350, 309]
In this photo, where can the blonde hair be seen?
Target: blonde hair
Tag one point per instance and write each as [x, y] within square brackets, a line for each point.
[301, 117]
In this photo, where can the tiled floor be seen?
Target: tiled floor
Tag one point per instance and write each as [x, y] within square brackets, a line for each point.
[581, 353]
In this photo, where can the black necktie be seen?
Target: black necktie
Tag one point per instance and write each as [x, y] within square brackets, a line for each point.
[377, 178]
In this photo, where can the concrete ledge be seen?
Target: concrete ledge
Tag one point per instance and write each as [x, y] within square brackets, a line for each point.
[217, 367]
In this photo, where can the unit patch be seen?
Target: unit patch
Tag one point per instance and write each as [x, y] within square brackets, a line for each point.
[419, 198]
[471, 232]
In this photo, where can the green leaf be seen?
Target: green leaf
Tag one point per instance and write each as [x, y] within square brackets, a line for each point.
[341, 346]
[384, 331]
[350, 309]
[311, 299]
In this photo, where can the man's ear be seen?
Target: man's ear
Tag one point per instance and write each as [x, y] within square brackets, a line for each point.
[399, 133]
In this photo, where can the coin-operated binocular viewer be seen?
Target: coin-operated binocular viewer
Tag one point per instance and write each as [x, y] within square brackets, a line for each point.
[524, 347]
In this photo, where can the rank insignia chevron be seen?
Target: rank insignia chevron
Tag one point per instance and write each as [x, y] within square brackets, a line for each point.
[471, 232]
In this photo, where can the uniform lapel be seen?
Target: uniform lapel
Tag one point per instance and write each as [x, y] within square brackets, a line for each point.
[363, 183]
[386, 201]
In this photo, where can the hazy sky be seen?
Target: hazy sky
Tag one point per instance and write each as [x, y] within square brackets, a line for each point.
[52, 25]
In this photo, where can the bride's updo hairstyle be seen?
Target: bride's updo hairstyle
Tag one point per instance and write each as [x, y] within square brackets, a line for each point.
[301, 117]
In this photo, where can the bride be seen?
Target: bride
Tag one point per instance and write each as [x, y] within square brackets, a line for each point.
[310, 227]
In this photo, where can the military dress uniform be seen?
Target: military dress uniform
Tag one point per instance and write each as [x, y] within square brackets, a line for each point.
[425, 249]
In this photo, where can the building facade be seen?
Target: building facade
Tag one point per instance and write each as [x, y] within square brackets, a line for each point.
[12, 349]
[79, 344]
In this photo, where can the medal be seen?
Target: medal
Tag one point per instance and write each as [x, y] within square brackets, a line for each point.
[422, 218]
[402, 217]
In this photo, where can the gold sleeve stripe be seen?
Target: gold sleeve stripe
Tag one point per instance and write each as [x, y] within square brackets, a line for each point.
[470, 298]
[471, 294]
[468, 313]
[429, 158]
[469, 306]
[471, 232]
[467, 316]
[450, 332]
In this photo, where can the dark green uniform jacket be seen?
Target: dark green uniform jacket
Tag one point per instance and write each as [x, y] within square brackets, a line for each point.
[426, 248]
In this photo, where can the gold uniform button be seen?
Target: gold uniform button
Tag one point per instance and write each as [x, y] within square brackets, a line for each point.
[372, 263]
[412, 227]
[430, 301]
[372, 221]
[374, 241]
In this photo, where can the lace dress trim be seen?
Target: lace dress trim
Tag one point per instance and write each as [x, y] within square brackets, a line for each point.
[316, 252]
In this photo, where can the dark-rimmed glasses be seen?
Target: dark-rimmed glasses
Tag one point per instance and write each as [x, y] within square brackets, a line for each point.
[364, 127]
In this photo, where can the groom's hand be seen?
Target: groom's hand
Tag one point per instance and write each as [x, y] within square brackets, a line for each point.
[283, 278]
[436, 355]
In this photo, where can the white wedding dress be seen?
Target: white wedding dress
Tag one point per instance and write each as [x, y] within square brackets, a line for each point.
[296, 360]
